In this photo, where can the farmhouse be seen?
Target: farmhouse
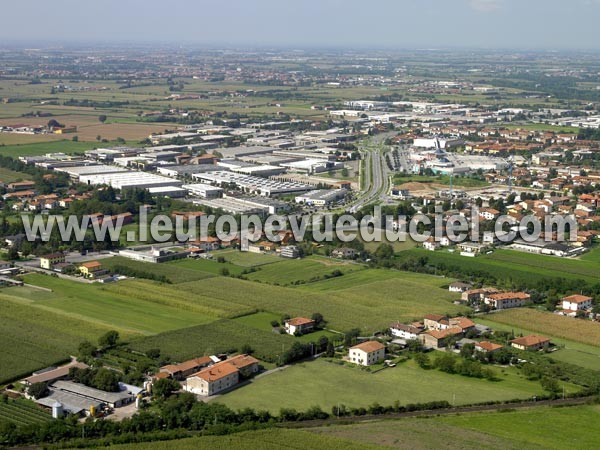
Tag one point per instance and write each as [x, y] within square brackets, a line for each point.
[213, 379]
[367, 353]
[49, 261]
[404, 331]
[299, 325]
[574, 303]
[186, 368]
[459, 286]
[531, 342]
[487, 347]
[344, 253]
[246, 364]
[476, 295]
[506, 300]
[439, 338]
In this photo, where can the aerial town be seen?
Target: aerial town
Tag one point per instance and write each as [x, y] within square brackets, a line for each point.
[311, 248]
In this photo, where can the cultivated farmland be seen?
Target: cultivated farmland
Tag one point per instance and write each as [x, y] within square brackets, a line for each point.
[22, 412]
[584, 331]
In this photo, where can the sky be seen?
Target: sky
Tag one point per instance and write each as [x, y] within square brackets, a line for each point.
[505, 24]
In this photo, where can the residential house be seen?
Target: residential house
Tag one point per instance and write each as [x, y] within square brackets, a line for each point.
[213, 379]
[438, 338]
[91, 269]
[403, 331]
[459, 286]
[49, 261]
[182, 370]
[246, 364]
[488, 213]
[504, 300]
[487, 347]
[431, 244]
[290, 251]
[531, 342]
[574, 303]
[344, 253]
[299, 325]
[367, 353]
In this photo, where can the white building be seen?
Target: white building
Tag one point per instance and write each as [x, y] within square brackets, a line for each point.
[367, 353]
[576, 303]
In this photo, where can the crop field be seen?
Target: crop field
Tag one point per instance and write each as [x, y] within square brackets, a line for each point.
[34, 338]
[588, 269]
[270, 439]
[292, 271]
[441, 179]
[583, 331]
[327, 384]
[373, 305]
[531, 428]
[522, 268]
[176, 272]
[131, 307]
[22, 412]
[216, 337]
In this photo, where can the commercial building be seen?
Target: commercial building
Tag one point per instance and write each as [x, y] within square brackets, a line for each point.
[129, 180]
[168, 191]
[252, 185]
[321, 197]
[110, 399]
[203, 190]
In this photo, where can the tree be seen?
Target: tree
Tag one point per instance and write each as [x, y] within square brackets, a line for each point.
[446, 363]
[86, 349]
[318, 318]
[164, 387]
[422, 360]
[247, 349]
[38, 390]
[109, 339]
[550, 384]
[330, 352]
[102, 118]
[224, 271]
[384, 251]
[106, 380]
[350, 337]
[13, 253]
[153, 353]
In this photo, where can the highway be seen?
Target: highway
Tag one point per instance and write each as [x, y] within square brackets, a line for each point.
[376, 182]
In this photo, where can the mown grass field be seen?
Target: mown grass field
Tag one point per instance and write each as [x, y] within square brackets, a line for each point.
[34, 338]
[269, 439]
[327, 384]
[246, 259]
[22, 412]
[532, 428]
[41, 148]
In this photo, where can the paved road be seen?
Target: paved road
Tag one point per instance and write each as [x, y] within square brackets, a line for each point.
[376, 181]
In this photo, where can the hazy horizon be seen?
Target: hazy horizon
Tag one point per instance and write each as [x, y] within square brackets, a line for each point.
[401, 24]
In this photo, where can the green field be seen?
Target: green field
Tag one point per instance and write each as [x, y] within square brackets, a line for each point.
[34, 338]
[370, 301]
[41, 148]
[294, 271]
[570, 351]
[441, 179]
[510, 267]
[131, 307]
[270, 439]
[176, 272]
[216, 337]
[531, 428]
[8, 176]
[246, 259]
[327, 384]
[22, 412]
